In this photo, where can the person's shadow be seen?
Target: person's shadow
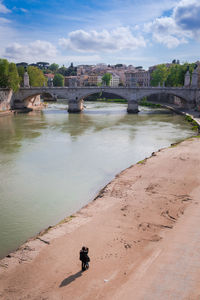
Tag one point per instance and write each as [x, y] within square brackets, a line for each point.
[70, 279]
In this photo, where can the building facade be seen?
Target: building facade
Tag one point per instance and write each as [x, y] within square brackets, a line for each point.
[115, 80]
[138, 78]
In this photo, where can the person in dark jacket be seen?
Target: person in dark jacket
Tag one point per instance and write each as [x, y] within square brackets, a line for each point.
[84, 258]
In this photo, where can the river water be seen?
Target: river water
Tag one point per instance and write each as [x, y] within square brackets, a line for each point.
[52, 163]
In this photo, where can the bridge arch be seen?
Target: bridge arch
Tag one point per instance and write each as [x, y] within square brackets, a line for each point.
[179, 99]
[160, 92]
[86, 92]
[105, 94]
[32, 101]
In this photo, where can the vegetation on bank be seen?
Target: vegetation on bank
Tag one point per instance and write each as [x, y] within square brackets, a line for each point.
[144, 102]
[58, 80]
[36, 77]
[9, 77]
[195, 125]
[12, 76]
[111, 100]
[106, 79]
[172, 75]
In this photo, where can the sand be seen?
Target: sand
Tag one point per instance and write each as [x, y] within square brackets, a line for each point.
[143, 236]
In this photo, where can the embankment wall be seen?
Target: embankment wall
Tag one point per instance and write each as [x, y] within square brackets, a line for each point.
[5, 99]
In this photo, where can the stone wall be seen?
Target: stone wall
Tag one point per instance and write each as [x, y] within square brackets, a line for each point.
[5, 99]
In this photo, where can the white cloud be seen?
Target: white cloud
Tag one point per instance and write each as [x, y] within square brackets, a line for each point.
[4, 20]
[107, 41]
[35, 51]
[24, 10]
[4, 9]
[165, 31]
[182, 25]
[187, 16]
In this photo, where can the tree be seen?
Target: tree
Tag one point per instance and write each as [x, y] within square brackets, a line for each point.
[42, 65]
[63, 71]
[159, 75]
[176, 73]
[21, 72]
[118, 65]
[9, 77]
[54, 67]
[4, 69]
[13, 77]
[36, 76]
[106, 79]
[58, 80]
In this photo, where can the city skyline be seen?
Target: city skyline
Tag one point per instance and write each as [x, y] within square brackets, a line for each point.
[116, 32]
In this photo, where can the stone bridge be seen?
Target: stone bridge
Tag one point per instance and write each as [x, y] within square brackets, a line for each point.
[30, 97]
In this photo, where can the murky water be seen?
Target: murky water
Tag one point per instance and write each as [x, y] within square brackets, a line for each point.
[52, 163]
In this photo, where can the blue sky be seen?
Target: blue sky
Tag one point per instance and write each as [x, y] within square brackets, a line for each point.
[90, 32]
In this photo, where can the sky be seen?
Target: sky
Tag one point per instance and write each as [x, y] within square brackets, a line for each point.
[140, 33]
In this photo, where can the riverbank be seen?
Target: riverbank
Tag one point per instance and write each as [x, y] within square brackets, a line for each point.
[6, 113]
[131, 220]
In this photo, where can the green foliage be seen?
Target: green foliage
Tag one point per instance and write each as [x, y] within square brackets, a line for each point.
[177, 74]
[9, 77]
[71, 71]
[54, 67]
[4, 69]
[36, 76]
[144, 102]
[62, 71]
[58, 80]
[13, 77]
[42, 65]
[195, 125]
[118, 65]
[21, 72]
[172, 76]
[159, 75]
[106, 78]
[142, 161]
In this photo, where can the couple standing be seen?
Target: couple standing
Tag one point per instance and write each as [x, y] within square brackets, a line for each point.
[84, 258]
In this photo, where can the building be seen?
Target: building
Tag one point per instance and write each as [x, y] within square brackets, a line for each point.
[142, 78]
[83, 80]
[50, 78]
[115, 80]
[130, 79]
[198, 71]
[94, 80]
[139, 77]
[71, 81]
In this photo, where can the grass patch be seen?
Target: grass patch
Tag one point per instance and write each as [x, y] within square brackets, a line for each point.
[148, 104]
[66, 220]
[112, 100]
[175, 144]
[195, 125]
[141, 161]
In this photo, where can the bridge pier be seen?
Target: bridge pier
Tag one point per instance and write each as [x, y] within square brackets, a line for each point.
[132, 107]
[75, 106]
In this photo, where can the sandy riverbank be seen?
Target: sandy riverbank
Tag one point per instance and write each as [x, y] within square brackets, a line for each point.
[127, 228]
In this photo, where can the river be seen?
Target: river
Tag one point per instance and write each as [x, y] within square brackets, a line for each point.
[52, 163]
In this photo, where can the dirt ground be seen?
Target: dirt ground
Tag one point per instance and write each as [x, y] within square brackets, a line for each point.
[143, 236]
